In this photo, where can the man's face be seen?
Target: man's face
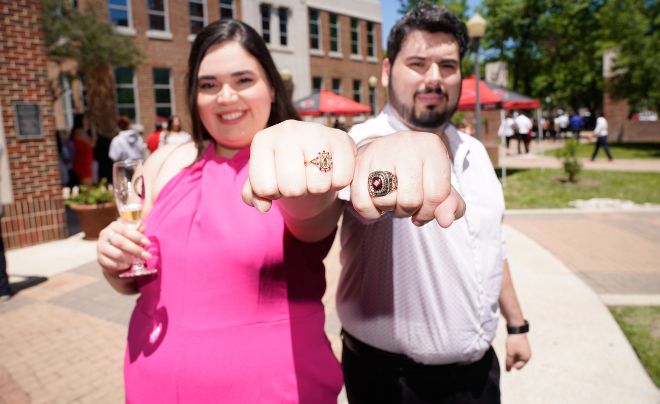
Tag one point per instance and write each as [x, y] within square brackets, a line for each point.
[424, 83]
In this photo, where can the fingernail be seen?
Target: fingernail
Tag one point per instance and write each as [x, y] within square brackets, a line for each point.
[145, 255]
[145, 241]
[261, 206]
[418, 223]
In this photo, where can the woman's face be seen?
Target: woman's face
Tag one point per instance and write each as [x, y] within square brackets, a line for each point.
[233, 96]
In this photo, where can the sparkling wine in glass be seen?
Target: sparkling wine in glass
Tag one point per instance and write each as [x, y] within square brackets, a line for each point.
[128, 187]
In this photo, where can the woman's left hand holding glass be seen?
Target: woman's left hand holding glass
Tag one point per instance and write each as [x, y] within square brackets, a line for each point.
[302, 164]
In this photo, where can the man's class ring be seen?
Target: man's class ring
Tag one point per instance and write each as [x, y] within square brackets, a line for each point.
[323, 161]
[382, 183]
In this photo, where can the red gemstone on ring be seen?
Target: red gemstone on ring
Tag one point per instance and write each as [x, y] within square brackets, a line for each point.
[377, 183]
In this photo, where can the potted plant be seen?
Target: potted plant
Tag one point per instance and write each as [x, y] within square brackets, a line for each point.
[95, 208]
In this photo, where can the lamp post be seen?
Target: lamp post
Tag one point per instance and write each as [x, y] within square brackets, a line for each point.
[373, 82]
[287, 79]
[476, 26]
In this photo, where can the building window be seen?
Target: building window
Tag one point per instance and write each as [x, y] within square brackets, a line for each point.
[264, 9]
[157, 15]
[197, 18]
[334, 33]
[314, 29]
[317, 84]
[371, 39]
[283, 14]
[120, 13]
[336, 85]
[357, 90]
[355, 36]
[226, 9]
[125, 92]
[163, 93]
[372, 99]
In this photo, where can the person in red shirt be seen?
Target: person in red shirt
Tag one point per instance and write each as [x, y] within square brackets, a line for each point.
[154, 138]
[83, 150]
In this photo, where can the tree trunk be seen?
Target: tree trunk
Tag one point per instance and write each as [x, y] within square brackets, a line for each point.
[100, 88]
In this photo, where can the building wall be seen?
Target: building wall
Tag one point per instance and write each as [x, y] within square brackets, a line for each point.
[622, 129]
[37, 213]
[343, 65]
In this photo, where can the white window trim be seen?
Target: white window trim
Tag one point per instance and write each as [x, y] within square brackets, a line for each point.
[288, 28]
[166, 14]
[357, 58]
[373, 27]
[319, 50]
[164, 35]
[170, 87]
[372, 59]
[336, 55]
[130, 30]
[359, 42]
[338, 51]
[205, 18]
[359, 91]
[136, 96]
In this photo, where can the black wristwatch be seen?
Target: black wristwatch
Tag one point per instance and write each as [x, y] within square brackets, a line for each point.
[518, 330]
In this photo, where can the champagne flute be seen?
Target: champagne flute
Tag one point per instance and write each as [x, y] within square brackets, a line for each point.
[128, 186]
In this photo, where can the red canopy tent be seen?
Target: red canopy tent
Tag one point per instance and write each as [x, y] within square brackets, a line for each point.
[489, 100]
[326, 102]
[512, 100]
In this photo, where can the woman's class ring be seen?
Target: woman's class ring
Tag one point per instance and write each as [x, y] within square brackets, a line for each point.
[323, 161]
[382, 183]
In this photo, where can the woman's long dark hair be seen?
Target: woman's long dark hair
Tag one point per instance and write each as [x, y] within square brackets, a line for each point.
[234, 30]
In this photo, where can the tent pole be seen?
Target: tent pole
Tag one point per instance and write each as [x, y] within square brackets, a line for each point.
[539, 130]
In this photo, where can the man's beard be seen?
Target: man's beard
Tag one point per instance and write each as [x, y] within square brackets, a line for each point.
[426, 119]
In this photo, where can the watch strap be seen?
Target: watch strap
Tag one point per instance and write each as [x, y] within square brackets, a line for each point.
[519, 329]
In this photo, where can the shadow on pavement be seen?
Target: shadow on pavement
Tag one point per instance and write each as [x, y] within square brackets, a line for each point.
[26, 282]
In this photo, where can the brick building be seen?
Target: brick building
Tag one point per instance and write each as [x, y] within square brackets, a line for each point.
[165, 30]
[36, 213]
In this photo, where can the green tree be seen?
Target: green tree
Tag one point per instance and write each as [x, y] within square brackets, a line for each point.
[92, 42]
[632, 29]
[551, 48]
[457, 6]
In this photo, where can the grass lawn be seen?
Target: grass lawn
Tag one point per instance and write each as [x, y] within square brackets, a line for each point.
[649, 150]
[642, 328]
[538, 188]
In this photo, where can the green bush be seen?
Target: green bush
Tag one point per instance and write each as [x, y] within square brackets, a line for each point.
[572, 166]
[91, 195]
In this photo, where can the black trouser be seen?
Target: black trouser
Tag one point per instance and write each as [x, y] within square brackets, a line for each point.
[601, 142]
[375, 376]
[525, 138]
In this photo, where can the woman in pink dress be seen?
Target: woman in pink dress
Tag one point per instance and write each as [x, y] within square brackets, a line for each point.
[237, 224]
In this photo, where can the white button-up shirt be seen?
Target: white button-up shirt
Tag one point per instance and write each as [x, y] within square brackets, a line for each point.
[428, 293]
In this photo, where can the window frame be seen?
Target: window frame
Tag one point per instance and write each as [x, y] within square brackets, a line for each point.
[340, 90]
[358, 92]
[371, 34]
[337, 39]
[355, 42]
[128, 29]
[269, 30]
[223, 6]
[320, 80]
[195, 18]
[165, 15]
[169, 87]
[319, 30]
[287, 12]
[133, 87]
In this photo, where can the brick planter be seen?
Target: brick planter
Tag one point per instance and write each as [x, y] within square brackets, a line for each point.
[93, 218]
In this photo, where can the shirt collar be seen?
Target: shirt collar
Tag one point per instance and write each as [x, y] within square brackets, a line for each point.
[458, 146]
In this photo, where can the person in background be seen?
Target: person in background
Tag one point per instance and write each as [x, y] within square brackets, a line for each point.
[173, 134]
[506, 130]
[576, 124]
[153, 140]
[524, 125]
[563, 121]
[83, 150]
[601, 133]
[127, 144]
[419, 304]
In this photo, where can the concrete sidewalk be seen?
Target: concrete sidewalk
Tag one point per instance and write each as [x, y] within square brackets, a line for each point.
[63, 339]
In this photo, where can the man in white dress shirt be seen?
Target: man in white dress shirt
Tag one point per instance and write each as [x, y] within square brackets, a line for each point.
[419, 304]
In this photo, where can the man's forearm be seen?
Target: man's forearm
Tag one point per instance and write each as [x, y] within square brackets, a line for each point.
[508, 300]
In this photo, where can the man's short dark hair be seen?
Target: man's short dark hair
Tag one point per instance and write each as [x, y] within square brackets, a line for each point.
[431, 18]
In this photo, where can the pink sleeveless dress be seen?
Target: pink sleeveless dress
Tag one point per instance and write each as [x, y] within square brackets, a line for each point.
[234, 314]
